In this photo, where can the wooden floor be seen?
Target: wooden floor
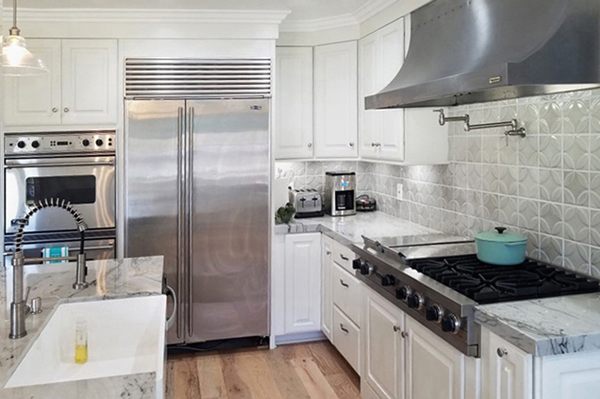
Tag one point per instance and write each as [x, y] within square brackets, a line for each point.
[304, 371]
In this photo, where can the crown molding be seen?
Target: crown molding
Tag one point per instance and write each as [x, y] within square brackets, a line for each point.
[57, 15]
[364, 12]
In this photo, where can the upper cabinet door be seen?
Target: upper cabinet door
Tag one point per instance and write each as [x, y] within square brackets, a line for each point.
[35, 100]
[336, 100]
[89, 88]
[294, 103]
[391, 38]
[435, 369]
[368, 84]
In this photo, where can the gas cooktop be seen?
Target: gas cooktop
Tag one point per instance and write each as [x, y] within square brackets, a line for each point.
[487, 283]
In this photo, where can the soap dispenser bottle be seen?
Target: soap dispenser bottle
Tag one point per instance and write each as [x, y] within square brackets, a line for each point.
[81, 342]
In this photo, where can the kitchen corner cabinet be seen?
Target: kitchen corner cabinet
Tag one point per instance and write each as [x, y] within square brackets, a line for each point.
[80, 88]
[293, 116]
[408, 136]
[327, 289]
[335, 100]
[302, 283]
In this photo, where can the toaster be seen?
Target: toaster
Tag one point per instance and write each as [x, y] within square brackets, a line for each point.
[308, 203]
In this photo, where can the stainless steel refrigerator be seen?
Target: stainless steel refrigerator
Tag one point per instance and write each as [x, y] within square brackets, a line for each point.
[197, 179]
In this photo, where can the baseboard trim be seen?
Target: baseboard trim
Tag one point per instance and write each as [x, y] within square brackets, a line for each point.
[300, 337]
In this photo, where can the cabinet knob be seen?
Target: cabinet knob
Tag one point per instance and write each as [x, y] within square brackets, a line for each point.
[404, 334]
[328, 252]
[55, 110]
[351, 144]
[501, 352]
[66, 109]
[396, 328]
[309, 145]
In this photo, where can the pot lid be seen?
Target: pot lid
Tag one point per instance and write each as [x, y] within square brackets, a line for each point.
[500, 236]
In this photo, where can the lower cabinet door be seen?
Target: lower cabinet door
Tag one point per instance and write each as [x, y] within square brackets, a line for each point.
[569, 376]
[382, 330]
[327, 289]
[434, 368]
[507, 370]
[302, 283]
[346, 338]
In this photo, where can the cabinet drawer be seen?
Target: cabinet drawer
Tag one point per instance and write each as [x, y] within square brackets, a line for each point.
[346, 338]
[343, 256]
[346, 293]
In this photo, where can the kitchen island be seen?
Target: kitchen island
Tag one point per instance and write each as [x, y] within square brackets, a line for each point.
[109, 279]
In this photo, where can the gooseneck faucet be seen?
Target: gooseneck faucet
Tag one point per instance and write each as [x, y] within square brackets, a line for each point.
[18, 308]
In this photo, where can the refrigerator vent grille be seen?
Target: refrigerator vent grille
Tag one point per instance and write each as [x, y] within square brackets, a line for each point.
[164, 78]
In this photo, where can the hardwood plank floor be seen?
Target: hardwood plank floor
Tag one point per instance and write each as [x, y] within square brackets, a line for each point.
[303, 371]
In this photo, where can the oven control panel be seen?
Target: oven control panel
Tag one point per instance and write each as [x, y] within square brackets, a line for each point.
[51, 143]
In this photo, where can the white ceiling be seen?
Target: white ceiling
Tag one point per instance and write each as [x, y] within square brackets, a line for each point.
[301, 9]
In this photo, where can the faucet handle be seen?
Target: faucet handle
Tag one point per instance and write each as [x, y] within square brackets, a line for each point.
[36, 305]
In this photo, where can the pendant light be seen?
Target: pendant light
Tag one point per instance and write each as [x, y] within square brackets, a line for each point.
[17, 60]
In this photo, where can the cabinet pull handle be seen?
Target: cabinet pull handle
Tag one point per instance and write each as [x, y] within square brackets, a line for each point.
[343, 284]
[344, 329]
[396, 328]
[55, 110]
[66, 109]
[343, 257]
[309, 145]
[501, 352]
[404, 334]
[372, 144]
[351, 144]
[328, 252]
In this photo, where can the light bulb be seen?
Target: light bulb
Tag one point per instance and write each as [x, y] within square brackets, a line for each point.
[17, 60]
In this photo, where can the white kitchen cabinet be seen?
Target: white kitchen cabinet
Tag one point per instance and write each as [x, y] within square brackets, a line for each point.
[507, 370]
[434, 368]
[302, 283]
[346, 338]
[80, 88]
[381, 57]
[335, 100]
[383, 346]
[89, 82]
[327, 291]
[293, 116]
[35, 100]
[568, 376]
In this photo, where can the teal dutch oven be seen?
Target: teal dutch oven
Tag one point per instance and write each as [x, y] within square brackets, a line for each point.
[500, 248]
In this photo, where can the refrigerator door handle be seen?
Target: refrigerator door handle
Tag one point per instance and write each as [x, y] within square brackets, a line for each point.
[180, 216]
[190, 213]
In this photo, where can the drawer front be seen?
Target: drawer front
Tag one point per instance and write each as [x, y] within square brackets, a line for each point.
[343, 256]
[346, 293]
[346, 338]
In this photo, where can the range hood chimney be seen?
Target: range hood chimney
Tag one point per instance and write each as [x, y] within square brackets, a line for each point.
[468, 51]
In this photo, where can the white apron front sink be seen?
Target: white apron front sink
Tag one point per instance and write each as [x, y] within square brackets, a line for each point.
[125, 336]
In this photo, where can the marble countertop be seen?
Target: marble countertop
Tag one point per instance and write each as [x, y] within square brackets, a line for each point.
[546, 327]
[350, 229]
[108, 279]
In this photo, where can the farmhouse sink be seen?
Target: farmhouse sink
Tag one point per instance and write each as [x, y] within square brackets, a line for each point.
[125, 336]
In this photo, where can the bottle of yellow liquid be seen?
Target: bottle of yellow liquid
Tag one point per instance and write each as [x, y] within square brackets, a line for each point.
[81, 344]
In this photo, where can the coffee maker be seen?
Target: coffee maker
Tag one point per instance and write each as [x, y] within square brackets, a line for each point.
[340, 193]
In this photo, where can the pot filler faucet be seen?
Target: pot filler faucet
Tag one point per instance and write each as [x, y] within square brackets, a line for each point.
[18, 307]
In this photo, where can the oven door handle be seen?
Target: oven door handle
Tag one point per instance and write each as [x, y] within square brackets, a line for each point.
[93, 248]
[59, 164]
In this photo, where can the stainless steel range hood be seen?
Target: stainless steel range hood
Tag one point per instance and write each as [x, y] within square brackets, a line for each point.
[467, 51]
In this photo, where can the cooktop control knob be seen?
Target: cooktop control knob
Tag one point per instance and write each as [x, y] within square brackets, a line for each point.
[434, 313]
[388, 280]
[451, 324]
[416, 301]
[85, 142]
[402, 293]
[357, 263]
[366, 268]
[35, 144]
[99, 142]
[21, 144]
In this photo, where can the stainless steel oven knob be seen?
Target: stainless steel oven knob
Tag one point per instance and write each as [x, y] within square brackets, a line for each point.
[434, 313]
[416, 301]
[451, 324]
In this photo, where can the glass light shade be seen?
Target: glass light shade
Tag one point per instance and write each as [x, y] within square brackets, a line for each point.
[18, 61]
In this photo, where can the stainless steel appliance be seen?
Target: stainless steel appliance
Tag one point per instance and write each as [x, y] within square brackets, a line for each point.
[438, 280]
[364, 203]
[197, 192]
[340, 193]
[464, 51]
[76, 166]
[308, 203]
